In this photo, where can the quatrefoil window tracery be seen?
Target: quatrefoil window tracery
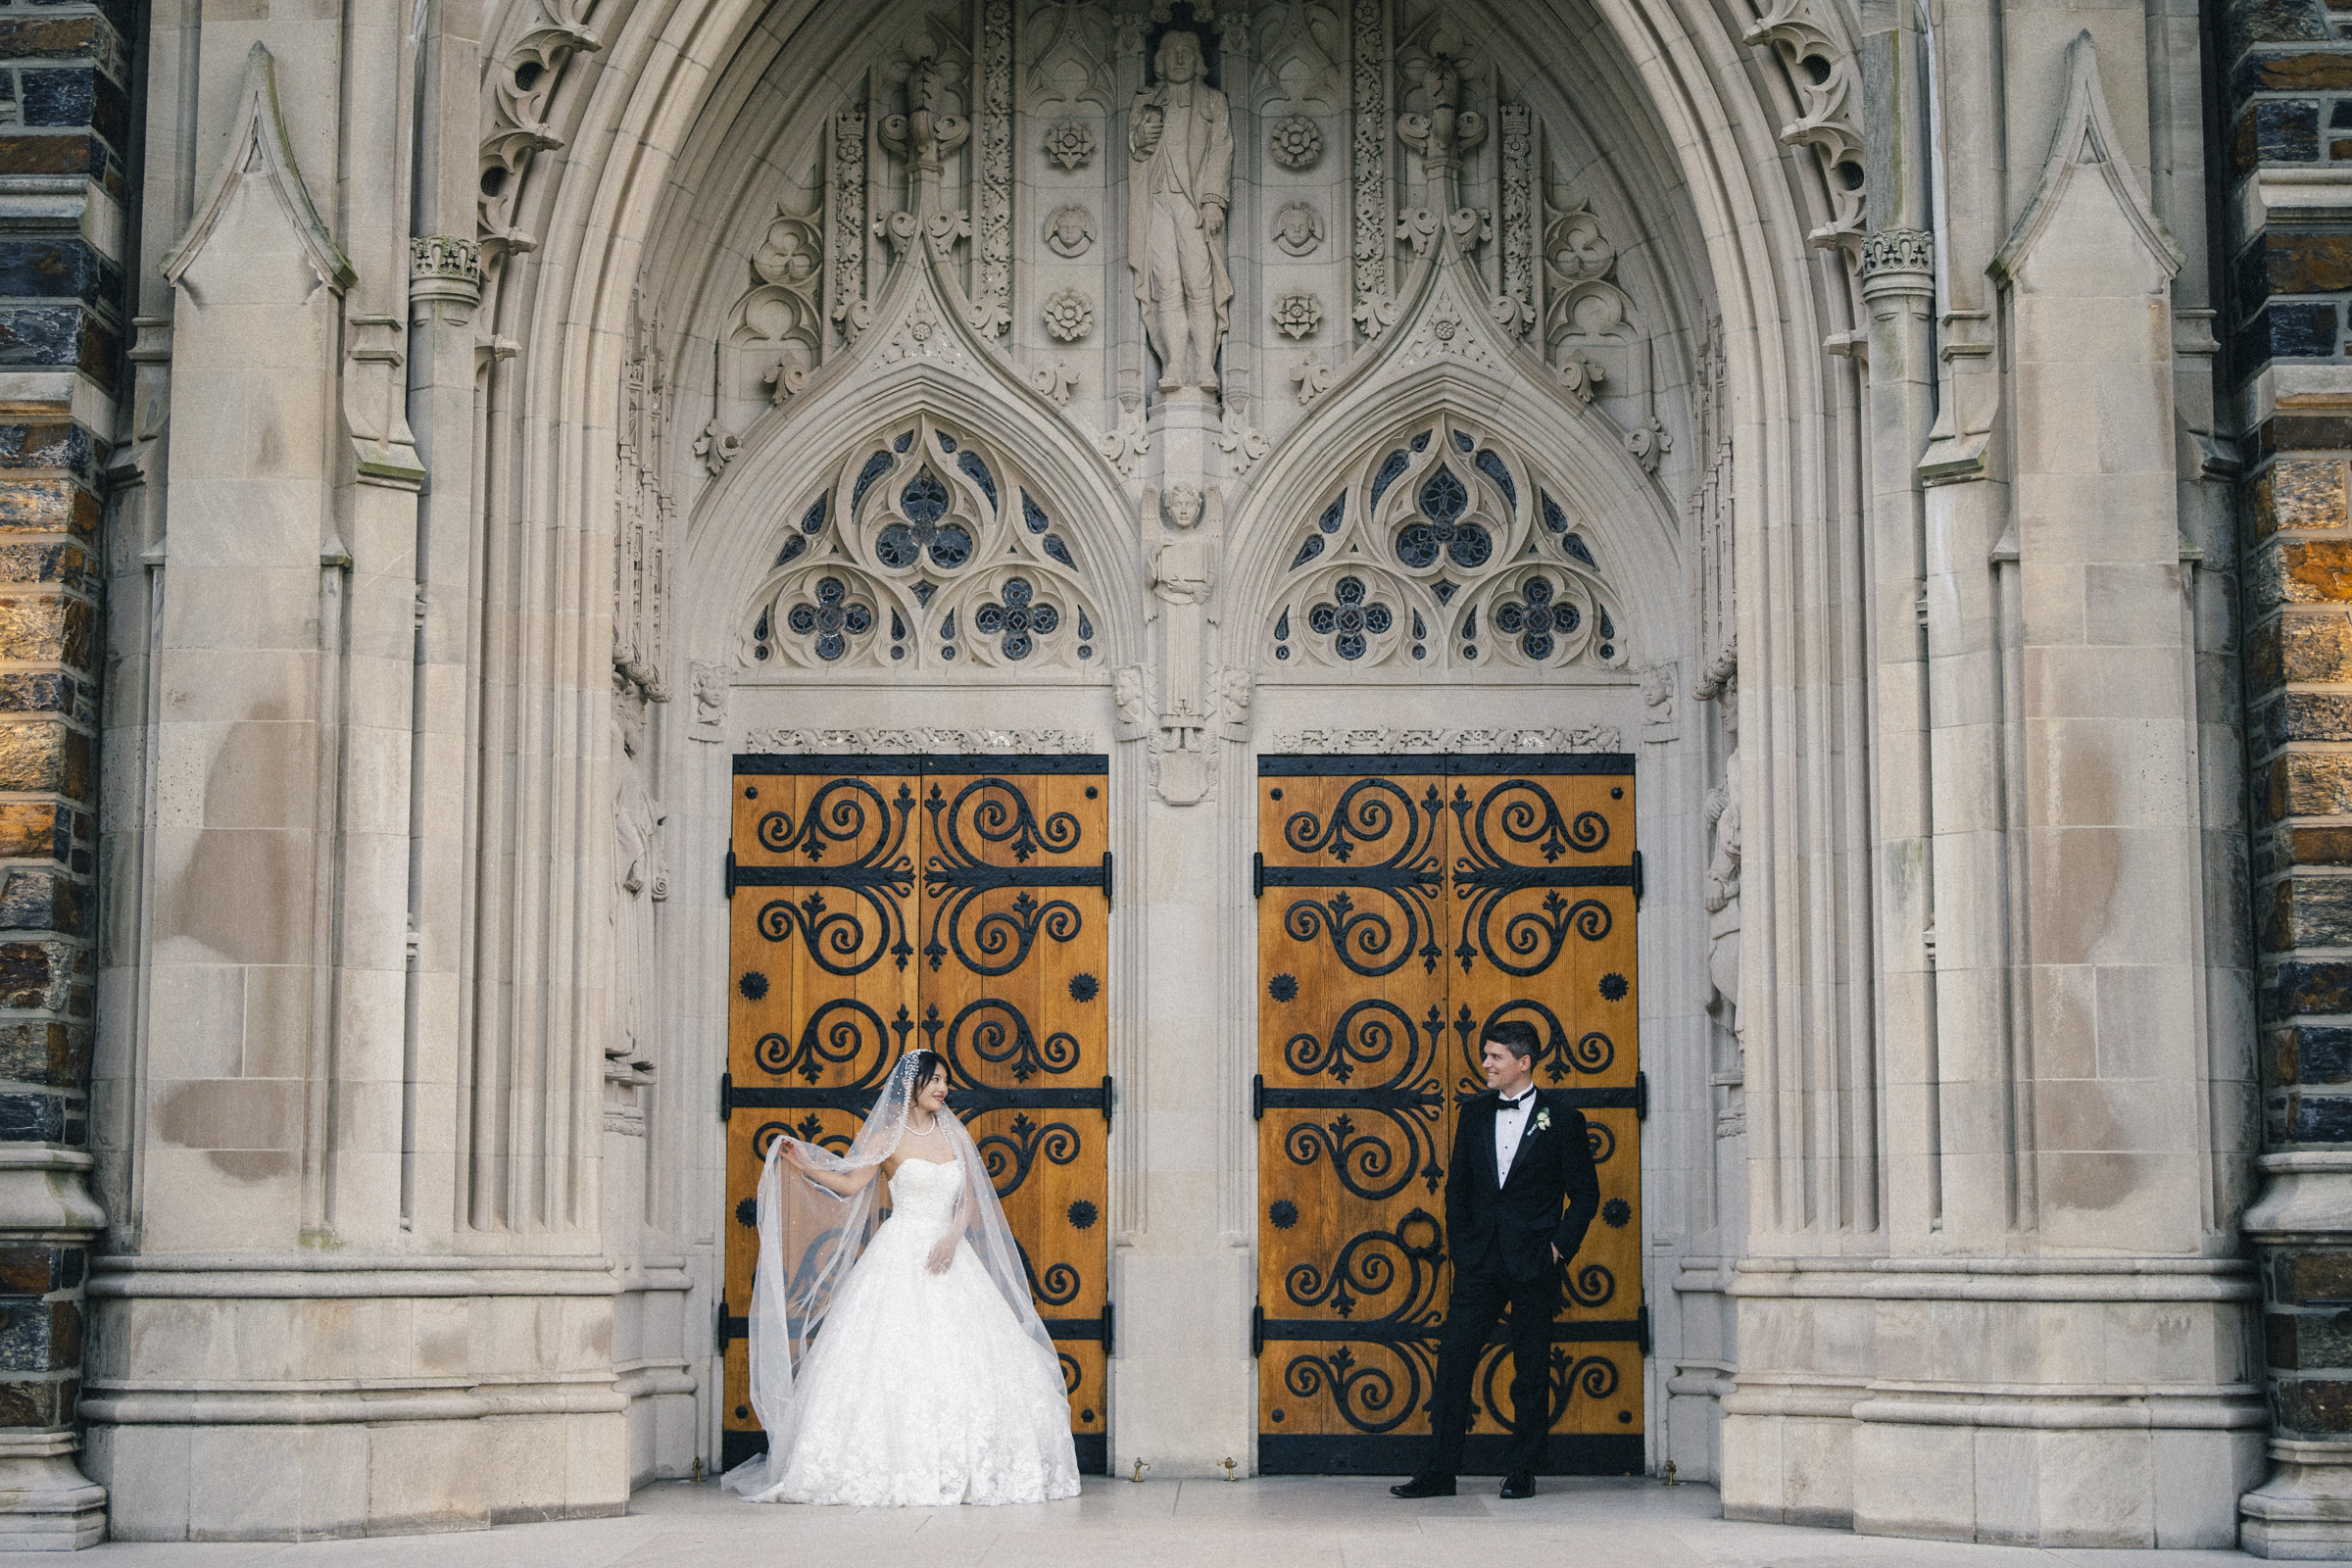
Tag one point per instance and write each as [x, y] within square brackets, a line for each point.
[928, 549]
[830, 618]
[1016, 619]
[1350, 621]
[1458, 536]
[1535, 615]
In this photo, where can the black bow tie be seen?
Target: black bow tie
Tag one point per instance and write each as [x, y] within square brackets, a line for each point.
[1514, 1104]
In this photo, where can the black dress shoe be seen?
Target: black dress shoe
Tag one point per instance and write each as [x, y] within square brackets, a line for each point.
[1424, 1487]
[1518, 1484]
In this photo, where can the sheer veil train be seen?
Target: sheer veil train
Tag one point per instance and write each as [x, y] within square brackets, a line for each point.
[812, 1236]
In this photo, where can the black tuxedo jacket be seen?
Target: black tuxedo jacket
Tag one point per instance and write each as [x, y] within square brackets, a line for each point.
[1517, 1223]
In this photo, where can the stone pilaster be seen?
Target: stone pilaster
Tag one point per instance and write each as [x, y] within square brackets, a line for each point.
[2286, 78]
[65, 73]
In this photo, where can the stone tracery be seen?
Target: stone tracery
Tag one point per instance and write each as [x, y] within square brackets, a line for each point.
[928, 550]
[1445, 552]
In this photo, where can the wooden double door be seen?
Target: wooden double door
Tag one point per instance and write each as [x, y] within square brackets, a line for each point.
[1404, 905]
[881, 904]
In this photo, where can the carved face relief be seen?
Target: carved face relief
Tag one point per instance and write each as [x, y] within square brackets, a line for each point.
[1182, 506]
[1299, 229]
[1070, 230]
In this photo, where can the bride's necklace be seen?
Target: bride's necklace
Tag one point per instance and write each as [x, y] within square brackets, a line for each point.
[924, 1132]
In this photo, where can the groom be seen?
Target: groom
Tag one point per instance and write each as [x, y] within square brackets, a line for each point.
[1518, 1153]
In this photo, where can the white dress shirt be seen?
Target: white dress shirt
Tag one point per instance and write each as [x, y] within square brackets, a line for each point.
[1510, 1120]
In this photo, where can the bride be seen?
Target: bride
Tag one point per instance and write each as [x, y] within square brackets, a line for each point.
[933, 1380]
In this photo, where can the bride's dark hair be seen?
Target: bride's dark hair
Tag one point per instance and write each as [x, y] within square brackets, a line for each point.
[927, 1063]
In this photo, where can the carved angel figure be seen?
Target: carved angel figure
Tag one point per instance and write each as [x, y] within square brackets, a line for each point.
[1180, 146]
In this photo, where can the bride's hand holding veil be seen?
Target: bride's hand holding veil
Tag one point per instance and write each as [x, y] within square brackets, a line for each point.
[846, 1183]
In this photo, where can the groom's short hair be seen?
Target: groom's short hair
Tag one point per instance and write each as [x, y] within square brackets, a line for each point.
[1516, 1036]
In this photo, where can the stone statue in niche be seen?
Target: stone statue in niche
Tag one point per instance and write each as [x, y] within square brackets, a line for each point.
[1180, 143]
[1723, 875]
[640, 881]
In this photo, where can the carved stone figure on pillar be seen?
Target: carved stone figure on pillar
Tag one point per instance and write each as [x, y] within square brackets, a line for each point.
[1722, 878]
[1180, 143]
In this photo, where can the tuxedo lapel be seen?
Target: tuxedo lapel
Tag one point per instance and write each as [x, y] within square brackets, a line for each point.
[1482, 1127]
[1527, 1131]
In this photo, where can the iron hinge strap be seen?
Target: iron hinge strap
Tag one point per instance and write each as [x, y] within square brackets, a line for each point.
[1111, 1344]
[719, 1330]
[1637, 879]
[1110, 1096]
[1641, 1097]
[1643, 1317]
[1257, 1098]
[1258, 875]
[731, 884]
[1106, 879]
[1258, 1328]
[726, 1096]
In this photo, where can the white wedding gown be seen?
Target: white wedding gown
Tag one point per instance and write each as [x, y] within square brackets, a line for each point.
[921, 1388]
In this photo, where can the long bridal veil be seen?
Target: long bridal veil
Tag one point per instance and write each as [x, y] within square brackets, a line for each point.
[810, 1236]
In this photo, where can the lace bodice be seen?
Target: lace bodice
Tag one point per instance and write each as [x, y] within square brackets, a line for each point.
[923, 1194]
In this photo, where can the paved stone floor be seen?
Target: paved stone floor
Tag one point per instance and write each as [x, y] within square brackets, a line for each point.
[1326, 1523]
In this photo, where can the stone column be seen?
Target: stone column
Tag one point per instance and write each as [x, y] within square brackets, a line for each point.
[61, 297]
[2290, 240]
[2060, 1331]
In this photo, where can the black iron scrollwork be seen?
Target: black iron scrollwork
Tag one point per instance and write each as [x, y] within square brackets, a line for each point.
[1058, 1287]
[1592, 1376]
[1380, 939]
[1363, 1161]
[1523, 813]
[876, 882]
[1366, 1034]
[1592, 1285]
[1526, 814]
[1408, 1101]
[1008, 1154]
[1000, 1035]
[841, 1041]
[1367, 1265]
[1366, 1395]
[998, 815]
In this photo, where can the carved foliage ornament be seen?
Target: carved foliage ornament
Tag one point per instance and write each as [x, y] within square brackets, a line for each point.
[1296, 143]
[1069, 143]
[928, 551]
[522, 81]
[1450, 550]
[1069, 315]
[1296, 316]
[1821, 72]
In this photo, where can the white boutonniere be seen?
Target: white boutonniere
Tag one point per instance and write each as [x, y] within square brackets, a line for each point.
[1542, 1120]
